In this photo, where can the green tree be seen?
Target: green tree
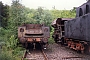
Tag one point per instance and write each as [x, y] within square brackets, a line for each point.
[4, 15]
[42, 16]
[17, 16]
[29, 13]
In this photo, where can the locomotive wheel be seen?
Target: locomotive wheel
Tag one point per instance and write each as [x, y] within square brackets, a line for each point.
[62, 41]
[87, 49]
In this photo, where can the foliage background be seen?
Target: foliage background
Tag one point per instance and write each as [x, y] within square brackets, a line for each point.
[15, 15]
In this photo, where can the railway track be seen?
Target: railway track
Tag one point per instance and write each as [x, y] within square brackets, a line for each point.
[35, 55]
[54, 53]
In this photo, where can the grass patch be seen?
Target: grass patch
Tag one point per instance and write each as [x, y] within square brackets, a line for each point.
[51, 40]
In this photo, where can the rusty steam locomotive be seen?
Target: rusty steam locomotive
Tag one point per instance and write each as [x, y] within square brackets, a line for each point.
[31, 34]
[75, 33]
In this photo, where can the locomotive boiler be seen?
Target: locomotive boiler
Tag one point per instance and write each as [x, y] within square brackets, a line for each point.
[31, 34]
[75, 33]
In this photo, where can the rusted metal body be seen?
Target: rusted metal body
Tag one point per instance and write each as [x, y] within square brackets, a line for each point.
[78, 28]
[33, 33]
[59, 28]
[76, 31]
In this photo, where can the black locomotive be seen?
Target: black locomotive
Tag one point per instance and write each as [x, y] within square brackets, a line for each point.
[75, 33]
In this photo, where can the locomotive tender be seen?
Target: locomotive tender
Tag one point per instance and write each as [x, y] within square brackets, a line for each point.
[31, 34]
[75, 33]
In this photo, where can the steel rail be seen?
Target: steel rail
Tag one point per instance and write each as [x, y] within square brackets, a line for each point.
[44, 54]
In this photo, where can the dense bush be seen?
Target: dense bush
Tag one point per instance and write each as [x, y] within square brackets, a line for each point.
[6, 56]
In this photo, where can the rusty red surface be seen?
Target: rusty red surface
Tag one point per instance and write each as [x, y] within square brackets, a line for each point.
[58, 20]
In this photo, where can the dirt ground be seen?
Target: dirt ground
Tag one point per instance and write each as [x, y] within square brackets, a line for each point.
[57, 52]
